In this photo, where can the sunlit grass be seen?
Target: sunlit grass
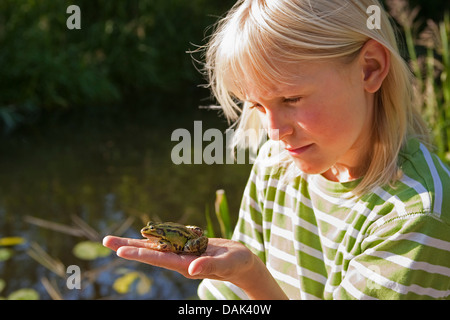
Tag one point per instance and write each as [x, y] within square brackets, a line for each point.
[429, 58]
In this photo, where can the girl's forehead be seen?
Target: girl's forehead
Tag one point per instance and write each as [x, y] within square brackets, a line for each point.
[289, 83]
[270, 91]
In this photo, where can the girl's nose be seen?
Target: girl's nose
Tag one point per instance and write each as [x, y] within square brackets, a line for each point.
[278, 125]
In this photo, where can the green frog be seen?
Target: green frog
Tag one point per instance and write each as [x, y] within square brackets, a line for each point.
[175, 237]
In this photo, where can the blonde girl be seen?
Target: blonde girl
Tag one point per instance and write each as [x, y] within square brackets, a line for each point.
[345, 201]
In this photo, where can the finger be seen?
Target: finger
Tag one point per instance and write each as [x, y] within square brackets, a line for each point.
[201, 267]
[167, 260]
[115, 243]
[146, 255]
[221, 259]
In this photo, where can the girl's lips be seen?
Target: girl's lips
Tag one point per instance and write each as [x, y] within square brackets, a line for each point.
[298, 151]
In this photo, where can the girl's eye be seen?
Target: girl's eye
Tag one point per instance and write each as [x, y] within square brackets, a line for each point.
[292, 100]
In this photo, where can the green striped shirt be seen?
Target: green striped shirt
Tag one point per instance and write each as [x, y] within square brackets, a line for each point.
[391, 243]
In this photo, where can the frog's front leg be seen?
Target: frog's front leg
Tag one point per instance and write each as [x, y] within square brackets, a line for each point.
[196, 246]
[160, 245]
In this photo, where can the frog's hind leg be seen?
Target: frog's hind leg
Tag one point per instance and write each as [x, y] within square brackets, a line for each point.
[196, 246]
[197, 230]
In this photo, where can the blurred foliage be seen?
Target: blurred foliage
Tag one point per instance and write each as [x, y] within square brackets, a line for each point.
[427, 46]
[124, 49]
[430, 9]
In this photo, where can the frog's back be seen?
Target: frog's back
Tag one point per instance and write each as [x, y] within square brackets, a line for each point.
[177, 233]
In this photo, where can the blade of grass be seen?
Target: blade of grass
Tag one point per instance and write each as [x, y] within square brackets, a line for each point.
[74, 231]
[223, 214]
[51, 289]
[121, 227]
[88, 231]
[42, 257]
[209, 226]
[445, 77]
[413, 56]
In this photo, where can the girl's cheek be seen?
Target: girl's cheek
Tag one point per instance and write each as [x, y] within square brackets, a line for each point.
[315, 123]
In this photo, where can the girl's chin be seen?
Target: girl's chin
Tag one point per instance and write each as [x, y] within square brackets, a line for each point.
[310, 168]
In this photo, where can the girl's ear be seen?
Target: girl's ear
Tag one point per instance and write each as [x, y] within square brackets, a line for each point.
[375, 62]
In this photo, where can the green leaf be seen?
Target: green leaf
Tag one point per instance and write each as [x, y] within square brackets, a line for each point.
[90, 250]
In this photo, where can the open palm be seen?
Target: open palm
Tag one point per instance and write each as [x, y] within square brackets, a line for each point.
[223, 260]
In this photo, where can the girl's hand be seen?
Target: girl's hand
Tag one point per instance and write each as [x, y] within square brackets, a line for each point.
[224, 259]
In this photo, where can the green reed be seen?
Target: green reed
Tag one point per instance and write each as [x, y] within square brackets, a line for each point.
[222, 215]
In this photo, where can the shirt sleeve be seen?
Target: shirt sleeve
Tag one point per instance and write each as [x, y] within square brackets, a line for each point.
[404, 258]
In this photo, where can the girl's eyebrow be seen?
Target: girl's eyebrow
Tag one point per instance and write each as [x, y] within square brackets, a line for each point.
[282, 97]
[289, 92]
[292, 96]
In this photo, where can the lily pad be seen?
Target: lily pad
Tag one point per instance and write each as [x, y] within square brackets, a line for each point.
[11, 241]
[124, 283]
[24, 294]
[144, 285]
[90, 250]
[2, 284]
[5, 254]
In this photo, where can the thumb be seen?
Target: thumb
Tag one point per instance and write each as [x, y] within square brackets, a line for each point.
[201, 267]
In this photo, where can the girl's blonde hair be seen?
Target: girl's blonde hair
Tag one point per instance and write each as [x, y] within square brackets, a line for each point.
[256, 36]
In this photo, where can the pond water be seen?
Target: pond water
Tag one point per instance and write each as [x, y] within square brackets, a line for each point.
[83, 176]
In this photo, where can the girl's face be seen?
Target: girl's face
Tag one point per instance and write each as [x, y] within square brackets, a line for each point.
[324, 118]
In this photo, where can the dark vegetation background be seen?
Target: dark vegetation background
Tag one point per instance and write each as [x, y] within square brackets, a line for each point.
[127, 53]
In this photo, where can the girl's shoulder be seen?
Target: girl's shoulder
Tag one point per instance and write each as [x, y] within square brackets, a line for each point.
[424, 182]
